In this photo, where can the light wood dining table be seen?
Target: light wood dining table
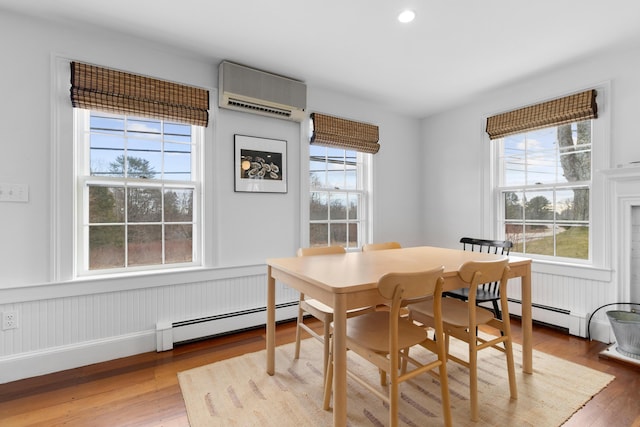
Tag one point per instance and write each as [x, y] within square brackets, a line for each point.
[346, 281]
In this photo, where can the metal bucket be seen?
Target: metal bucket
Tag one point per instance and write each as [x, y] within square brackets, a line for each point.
[626, 328]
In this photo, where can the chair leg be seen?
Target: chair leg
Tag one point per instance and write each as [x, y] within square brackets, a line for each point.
[296, 354]
[496, 310]
[326, 344]
[473, 379]
[328, 380]
[393, 396]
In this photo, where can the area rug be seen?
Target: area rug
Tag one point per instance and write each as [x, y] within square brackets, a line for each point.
[238, 392]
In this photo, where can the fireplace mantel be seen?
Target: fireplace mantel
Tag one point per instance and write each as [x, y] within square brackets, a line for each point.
[624, 195]
[627, 173]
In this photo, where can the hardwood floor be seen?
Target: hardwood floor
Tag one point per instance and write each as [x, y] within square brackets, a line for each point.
[143, 390]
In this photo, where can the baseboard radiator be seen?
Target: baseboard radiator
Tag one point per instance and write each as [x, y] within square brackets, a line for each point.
[168, 334]
[574, 323]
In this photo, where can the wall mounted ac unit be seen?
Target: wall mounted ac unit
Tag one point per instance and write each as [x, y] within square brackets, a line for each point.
[254, 91]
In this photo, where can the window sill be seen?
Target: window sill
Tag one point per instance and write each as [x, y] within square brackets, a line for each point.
[125, 282]
[579, 271]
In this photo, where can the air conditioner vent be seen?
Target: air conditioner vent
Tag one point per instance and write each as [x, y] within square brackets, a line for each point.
[253, 91]
[259, 108]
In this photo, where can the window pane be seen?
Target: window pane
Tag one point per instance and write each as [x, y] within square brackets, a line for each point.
[354, 204]
[106, 155]
[338, 206]
[317, 174]
[106, 247]
[107, 124]
[573, 204]
[319, 206]
[573, 242]
[335, 178]
[541, 160]
[513, 160]
[144, 244]
[514, 233]
[144, 162]
[338, 234]
[177, 166]
[178, 205]
[513, 206]
[106, 204]
[354, 241]
[539, 206]
[178, 243]
[148, 128]
[539, 239]
[318, 234]
[144, 205]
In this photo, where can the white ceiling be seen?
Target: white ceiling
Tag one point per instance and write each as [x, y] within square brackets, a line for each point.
[453, 51]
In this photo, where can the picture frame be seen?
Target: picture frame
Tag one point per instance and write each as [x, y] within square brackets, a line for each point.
[260, 164]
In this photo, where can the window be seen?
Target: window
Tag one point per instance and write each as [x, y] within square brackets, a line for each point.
[339, 197]
[544, 187]
[138, 192]
[543, 180]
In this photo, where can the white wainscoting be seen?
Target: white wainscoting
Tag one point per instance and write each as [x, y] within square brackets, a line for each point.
[58, 333]
[55, 334]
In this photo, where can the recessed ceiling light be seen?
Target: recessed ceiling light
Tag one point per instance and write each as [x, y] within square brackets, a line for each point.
[406, 16]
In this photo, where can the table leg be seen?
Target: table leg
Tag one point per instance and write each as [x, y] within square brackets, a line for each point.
[339, 360]
[527, 328]
[271, 323]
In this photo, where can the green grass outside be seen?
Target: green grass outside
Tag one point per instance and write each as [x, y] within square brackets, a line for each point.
[572, 243]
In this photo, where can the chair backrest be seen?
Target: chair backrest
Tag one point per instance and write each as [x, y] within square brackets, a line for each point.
[403, 288]
[478, 272]
[380, 246]
[321, 250]
[500, 247]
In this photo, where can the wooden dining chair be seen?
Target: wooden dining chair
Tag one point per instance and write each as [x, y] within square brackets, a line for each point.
[380, 246]
[462, 318]
[487, 292]
[319, 310]
[384, 338]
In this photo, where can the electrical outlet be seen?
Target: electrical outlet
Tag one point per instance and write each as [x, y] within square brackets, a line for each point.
[9, 320]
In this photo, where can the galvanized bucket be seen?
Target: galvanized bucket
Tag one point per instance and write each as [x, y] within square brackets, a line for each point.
[626, 328]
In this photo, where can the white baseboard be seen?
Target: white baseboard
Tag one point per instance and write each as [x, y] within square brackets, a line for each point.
[33, 364]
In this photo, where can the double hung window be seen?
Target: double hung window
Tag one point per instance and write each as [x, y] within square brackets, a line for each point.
[138, 191]
[543, 176]
[338, 199]
[340, 188]
[138, 143]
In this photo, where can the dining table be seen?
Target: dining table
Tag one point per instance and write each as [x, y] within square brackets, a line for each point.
[347, 281]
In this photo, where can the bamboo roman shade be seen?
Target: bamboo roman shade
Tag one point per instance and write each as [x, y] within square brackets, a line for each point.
[572, 108]
[98, 88]
[342, 133]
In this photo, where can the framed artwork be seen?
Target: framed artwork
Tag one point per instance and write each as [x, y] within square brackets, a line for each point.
[260, 164]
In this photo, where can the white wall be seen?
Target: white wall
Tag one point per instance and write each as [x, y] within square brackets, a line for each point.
[457, 154]
[72, 323]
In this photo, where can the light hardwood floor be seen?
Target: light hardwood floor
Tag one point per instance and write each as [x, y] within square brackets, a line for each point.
[143, 390]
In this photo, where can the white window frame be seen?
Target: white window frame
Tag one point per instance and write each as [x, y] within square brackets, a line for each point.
[364, 176]
[599, 242]
[84, 180]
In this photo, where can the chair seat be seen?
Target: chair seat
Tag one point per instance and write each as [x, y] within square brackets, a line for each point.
[373, 329]
[454, 312]
[325, 313]
[482, 295]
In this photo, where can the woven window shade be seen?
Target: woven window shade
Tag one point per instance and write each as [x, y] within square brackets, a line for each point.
[97, 88]
[342, 133]
[572, 108]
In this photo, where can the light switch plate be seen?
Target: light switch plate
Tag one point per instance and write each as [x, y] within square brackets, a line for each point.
[14, 192]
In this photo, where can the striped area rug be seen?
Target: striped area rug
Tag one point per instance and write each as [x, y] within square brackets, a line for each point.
[238, 392]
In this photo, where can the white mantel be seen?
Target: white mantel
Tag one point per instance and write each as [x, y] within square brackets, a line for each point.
[623, 194]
